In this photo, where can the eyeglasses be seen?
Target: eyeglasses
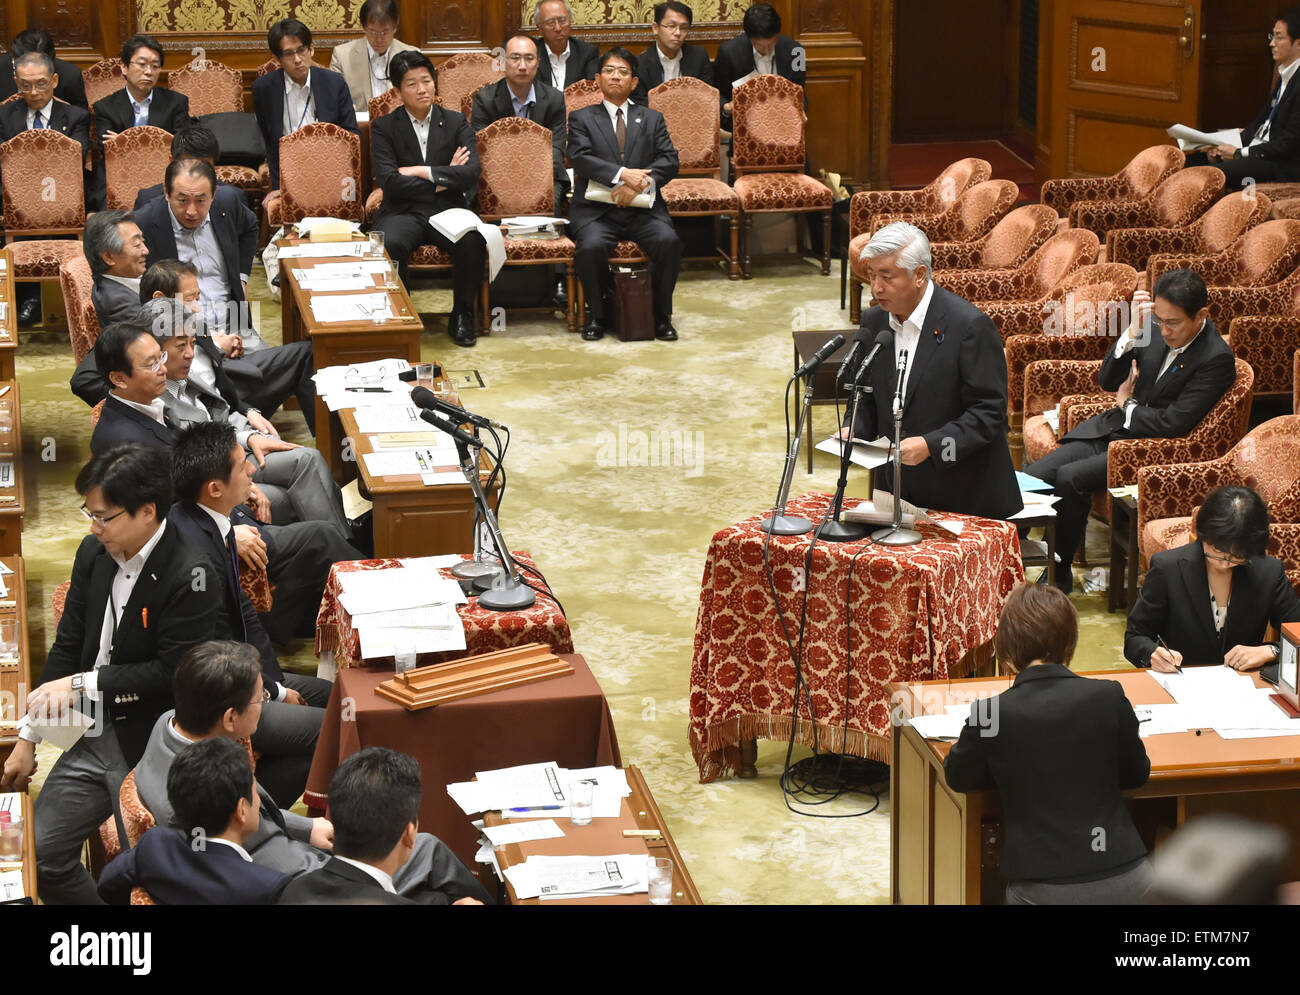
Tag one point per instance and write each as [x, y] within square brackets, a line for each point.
[154, 365]
[40, 86]
[556, 22]
[1159, 323]
[1231, 561]
[380, 32]
[293, 53]
[617, 71]
[99, 518]
[151, 64]
[521, 57]
[266, 696]
[677, 27]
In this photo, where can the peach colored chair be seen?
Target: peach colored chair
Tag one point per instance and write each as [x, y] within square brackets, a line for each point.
[78, 283]
[465, 72]
[1033, 279]
[1263, 255]
[1177, 201]
[135, 159]
[579, 94]
[320, 175]
[1012, 240]
[1227, 220]
[1143, 173]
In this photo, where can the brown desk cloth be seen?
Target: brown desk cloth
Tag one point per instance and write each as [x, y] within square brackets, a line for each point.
[565, 719]
[923, 611]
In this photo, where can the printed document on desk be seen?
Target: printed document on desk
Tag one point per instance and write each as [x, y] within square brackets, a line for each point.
[404, 417]
[352, 307]
[394, 588]
[378, 643]
[325, 250]
[411, 462]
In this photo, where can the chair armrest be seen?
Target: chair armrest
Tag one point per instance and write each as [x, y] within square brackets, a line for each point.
[1135, 246]
[865, 203]
[956, 255]
[1102, 216]
[1060, 194]
[1078, 408]
[1229, 303]
[1023, 350]
[985, 284]
[1269, 345]
[1161, 263]
[257, 586]
[1049, 380]
[1016, 317]
[1126, 456]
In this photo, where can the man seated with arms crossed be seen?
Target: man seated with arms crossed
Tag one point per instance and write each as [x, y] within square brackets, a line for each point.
[565, 59]
[375, 809]
[296, 557]
[1164, 386]
[211, 477]
[133, 609]
[426, 161]
[210, 788]
[364, 63]
[219, 694]
[627, 148]
[671, 55]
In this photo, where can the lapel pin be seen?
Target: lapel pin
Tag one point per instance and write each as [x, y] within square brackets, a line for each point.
[938, 336]
[144, 617]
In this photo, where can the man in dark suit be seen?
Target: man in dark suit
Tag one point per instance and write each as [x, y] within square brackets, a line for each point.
[115, 250]
[219, 694]
[762, 49]
[565, 59]
[375, 808]
[70, 89]
[1270, 145]
[211, 477]
[131, 612]
[297, 93]
[426, 162]
[191, 142]
[210, 787]
[1165, 385]
[954, 444]
[626, 148]
[670, 56]
[141, 101]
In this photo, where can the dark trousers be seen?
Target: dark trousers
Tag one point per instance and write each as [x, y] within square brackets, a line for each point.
[299, 560]
[596, 240]
[1075, 470]
[266, 378]
[404, 233]
[1238, 171]
[286, 738]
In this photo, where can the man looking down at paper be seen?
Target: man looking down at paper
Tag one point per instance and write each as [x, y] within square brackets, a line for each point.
[426, 161]
[621, 154]
[954, 443]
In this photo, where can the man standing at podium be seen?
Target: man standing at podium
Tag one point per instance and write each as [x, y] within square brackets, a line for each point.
[953, 381]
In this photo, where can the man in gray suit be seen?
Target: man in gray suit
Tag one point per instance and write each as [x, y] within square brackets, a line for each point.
[115, 249]
[364, 62]
[218, 691]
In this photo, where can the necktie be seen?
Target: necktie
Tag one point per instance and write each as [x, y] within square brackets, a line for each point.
[233, 550]
[528, 110]
[38, 121]
[141, 114]
[620, 132]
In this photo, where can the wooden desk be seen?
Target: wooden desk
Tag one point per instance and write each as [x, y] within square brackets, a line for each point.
[27, 860]
[343, 343]
[602, 836]
[1125, 554]
[945, 846]
[9, 326]
[14, 673]
[13, 500]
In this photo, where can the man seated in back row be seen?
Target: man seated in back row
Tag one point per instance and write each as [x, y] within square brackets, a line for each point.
[671, 56]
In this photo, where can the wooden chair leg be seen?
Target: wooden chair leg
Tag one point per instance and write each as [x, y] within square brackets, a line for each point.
[749, 240]
[580, 305]
[734, 270]
[855, 300]
[571, 314]
[826, 243]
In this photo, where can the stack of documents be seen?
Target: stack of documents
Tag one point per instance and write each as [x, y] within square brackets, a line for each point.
[454, 222]
[411, 603]
[533, 226]
[325, 250]
[342, 276]
[1216, 698]
[579, 877]
[352, 307]
[372, 384]
[535, 791]
[1190, 138]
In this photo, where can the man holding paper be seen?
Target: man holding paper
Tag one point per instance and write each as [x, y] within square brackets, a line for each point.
[426, 161]
[1269, 149]
[622, 156]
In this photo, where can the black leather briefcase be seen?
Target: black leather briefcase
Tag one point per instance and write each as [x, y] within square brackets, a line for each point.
[634, 312]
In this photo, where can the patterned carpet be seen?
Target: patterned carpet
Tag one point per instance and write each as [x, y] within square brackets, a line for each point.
[627, 457]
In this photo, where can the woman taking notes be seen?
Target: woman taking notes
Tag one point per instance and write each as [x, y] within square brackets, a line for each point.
[1210, 602]
[1060, 749]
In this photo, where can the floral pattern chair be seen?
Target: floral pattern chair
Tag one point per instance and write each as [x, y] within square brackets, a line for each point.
[1177, 201]
[1143, 173]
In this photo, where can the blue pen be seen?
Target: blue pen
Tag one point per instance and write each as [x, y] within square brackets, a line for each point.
[537, 808]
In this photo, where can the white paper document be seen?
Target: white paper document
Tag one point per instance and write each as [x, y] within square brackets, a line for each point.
[352, 307]
[443, 616]
[944, 726]
[1226, 701]
[11, 886]
[598, 193]
[366, 591]
[865, 454]
[64, 730]
[377, 643]
[541, 790]
[307, 225]
[579, 877]
[522, 832]
[456, 221]
[310, 280]
[1160, 720]
[404, 417]
[442, 478]
[398, 462]
[1190, 138]
[325, 250]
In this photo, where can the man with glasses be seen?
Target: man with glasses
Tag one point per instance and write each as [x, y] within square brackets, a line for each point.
[70, 88]
[1270, 145]
[565, 59]
[297, 93]
[364, 62]
[1164, 386]
[132, 611]
[625, 147]
[141, 101]
[671, 55]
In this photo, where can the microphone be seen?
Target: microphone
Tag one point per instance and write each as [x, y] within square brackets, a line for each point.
[884, 340]
[820, 356]
[851, 358]
[423, 397]
[902, 374]
[455, 431]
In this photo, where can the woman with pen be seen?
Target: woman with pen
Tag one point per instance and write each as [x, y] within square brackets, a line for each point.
[1211, 601]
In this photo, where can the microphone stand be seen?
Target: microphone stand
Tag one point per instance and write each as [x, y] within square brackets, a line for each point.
[897, 535]
[480, 566]
[512, 594]
[779, 523]
[835, 529]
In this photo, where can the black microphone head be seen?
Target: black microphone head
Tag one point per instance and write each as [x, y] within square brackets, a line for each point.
[423, 397]
[834, 344]
[885, 338]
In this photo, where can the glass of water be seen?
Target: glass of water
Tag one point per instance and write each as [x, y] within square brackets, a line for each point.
[404, 654]
[377, 245]
[582, 795]
[659, 875]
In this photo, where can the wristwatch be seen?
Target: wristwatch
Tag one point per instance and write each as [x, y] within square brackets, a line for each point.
[78, 682]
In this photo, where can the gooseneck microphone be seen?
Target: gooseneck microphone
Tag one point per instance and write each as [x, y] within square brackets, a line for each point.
[423, 397]
[820, 356]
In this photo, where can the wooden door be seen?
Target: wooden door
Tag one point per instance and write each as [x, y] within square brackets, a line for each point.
[1124, 70]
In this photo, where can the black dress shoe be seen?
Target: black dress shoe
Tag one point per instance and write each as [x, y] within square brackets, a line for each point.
[461, 329]
[665, 332]
[1064, 579]
[593, 330]
[29, 311]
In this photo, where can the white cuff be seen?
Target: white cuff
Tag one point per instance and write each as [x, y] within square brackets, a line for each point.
[1129, 408]
[91, 687]
[25, 731]
[281, 691]
[1124, 344]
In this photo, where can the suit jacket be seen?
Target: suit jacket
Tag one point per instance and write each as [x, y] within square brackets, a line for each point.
[492, 103]
[163, 617]
[393, 144]
[333, 103]
[92, 386]
[1175, 604]
[650, 71]
[113, 301]
[1060, 749]
[593, 153]
[352, 62]
[1283, 143]
[238, 619]
[275, 826]
[63, 117]
[1172, 405]
[119, 423]
[581, 63]
[338, 883]
[736, 59]
[235, 226]
[168, 110]
[165, 864]
[71, 88]
[147, 194]
[956, 399]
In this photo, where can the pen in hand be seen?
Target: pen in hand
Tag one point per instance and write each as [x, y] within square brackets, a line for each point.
[1165, 646]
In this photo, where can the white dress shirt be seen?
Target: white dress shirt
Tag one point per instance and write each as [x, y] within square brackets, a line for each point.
[908, 334]
[520, 105]
[131, 283]
[1284, 77]
[140, 108]
[1126, 343]
[672, 66]
[628, 110]
[558, 63]
[299, 104]
[379, 83]
[199, 246]
[381, 878]
[155, 409]
[44, 112]
[765, 65]
[233, 845]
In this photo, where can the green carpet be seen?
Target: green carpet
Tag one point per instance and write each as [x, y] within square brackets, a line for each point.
[626, 458]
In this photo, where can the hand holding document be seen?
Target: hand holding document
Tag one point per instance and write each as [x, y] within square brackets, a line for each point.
[865, 454]
[598, 193]
[1190, 138]
[456, 221]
